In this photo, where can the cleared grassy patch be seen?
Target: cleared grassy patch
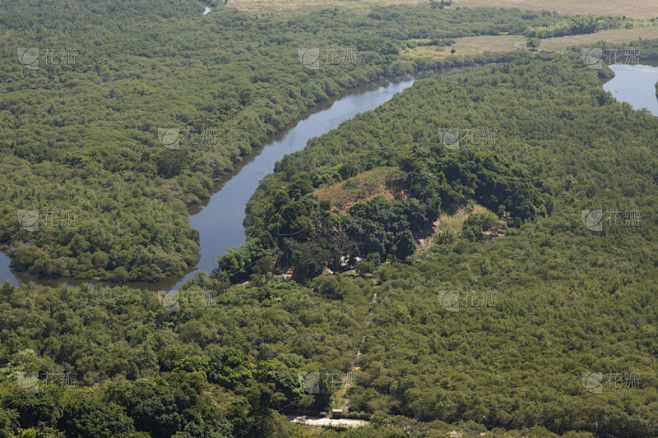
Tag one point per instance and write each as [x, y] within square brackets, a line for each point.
[617, 36]
[641, 9]
[630, 8]
[468, 46]
[471, 46]
[382, 181]
[290, 6]
[453, 224]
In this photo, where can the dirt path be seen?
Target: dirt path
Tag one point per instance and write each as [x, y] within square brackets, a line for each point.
[348, 379]
[373, 301]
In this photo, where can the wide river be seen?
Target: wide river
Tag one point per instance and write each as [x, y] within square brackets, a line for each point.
[220, 221]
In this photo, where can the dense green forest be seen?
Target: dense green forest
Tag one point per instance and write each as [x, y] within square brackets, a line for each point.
[79, 134]
[437, 253]
[229, 360]
[577, 26]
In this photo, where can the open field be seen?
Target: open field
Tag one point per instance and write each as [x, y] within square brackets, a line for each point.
[471, 46]
[498, 43]
[288, 6]
[642, 9]
[611, 36]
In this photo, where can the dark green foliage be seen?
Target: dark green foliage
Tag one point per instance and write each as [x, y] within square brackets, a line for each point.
[569, 300]
[231, 369]
[8, 417]
[30, 409]
[225, 366]
[369, 264]
[577, 26]
[92, 144]
[478, 223]
[155, 406]
[81, 418]
[307, 237]
[564, 304]
[309, 260]
[533, 43]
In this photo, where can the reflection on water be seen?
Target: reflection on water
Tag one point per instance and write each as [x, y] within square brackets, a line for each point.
[5, 272]
[220, 221]
[634, 84]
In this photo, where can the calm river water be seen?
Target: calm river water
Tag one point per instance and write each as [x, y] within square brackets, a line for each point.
[220, 221]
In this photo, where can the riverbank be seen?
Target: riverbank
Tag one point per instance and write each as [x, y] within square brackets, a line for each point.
[377, 77]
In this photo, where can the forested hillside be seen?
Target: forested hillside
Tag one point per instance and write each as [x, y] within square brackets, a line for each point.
[476, 257]
[551, 299]
[488, 338]
[90, 105]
